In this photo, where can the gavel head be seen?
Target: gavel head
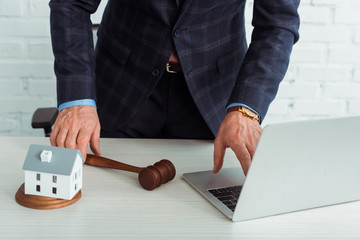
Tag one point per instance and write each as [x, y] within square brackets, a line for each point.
[153, 176]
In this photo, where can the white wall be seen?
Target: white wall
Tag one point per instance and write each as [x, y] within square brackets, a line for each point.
[324, 73]
[27, 80]
[323, 78]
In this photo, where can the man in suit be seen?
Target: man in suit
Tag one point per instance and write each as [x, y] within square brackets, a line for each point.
[169, 69]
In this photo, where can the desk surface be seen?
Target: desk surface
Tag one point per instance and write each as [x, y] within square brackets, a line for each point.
[114, 205]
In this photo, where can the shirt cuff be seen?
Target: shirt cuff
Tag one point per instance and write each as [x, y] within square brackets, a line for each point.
[244, 105]
[80, 102]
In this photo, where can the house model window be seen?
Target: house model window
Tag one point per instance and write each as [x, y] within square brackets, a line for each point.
[38, 176]
[54, 190]
[38, 188]
[54, 179]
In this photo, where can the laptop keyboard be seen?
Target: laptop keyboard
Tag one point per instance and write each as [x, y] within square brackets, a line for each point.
[227, 196]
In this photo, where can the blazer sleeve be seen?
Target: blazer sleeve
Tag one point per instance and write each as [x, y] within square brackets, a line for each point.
[276, 24]
[73, 48]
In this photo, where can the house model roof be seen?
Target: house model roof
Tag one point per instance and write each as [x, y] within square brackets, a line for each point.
[62, 161]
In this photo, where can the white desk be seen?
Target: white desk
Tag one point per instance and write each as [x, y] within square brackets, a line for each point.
[114, 205]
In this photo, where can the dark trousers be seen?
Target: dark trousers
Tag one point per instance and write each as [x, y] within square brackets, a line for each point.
[170, 112]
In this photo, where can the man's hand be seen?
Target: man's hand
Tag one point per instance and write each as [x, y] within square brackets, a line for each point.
[75, 127]
[241, 134]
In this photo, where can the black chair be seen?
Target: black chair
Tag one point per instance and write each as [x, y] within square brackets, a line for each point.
[44, 118]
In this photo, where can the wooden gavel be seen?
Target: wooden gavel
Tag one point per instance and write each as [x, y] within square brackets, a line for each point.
[149, 177]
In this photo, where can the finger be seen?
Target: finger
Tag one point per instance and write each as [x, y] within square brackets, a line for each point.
[219, 153]
[243, 155]
[252, 142]
[54, 135]
[251, 146]
[60, 139]
[70, 141]
[82, 141]
[95, 141]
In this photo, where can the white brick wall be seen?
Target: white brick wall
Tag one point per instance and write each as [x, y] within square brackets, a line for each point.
[323, 78]
[324, 73]
[27, 80]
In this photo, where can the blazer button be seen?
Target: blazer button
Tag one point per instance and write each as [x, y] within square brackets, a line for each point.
[177, 33]
[155, 72]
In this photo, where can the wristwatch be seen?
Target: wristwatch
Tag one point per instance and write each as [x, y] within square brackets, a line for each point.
[245, 112]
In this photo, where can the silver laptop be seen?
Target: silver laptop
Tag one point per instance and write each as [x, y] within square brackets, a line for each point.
[296, 166]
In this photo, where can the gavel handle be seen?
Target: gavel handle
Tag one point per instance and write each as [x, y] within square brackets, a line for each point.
[99, 161]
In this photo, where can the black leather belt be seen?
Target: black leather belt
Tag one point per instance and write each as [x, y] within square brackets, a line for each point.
[173, 68]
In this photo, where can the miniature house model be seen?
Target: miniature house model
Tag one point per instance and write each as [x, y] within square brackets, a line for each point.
[53, 171]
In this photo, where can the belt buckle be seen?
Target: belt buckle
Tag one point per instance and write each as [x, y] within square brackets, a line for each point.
[168, 68]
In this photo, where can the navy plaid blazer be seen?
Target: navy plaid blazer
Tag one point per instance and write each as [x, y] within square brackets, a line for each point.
[135, 41]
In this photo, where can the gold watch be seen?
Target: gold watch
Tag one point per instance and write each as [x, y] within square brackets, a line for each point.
[245, 112]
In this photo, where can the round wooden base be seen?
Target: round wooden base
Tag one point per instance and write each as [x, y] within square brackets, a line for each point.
[39, 202]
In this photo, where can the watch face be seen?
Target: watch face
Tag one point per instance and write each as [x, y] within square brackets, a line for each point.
[250, 113]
